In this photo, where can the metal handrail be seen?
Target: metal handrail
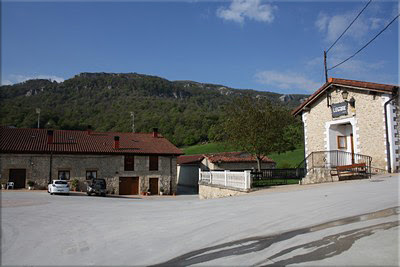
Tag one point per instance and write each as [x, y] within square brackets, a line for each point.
[332, 159]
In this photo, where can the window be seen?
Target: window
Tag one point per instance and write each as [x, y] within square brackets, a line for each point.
[91, 175]
[129, 163]
[153, 166]
[342, 142]
[63, 175]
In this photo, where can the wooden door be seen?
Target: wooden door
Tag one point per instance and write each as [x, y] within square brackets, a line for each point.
[128, 185]
[153, 182]
[18, 176]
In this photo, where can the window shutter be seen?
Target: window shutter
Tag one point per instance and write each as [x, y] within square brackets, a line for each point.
[153, 163]
[129, 164]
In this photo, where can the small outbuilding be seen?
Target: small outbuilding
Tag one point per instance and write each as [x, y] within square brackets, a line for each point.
[189, 165]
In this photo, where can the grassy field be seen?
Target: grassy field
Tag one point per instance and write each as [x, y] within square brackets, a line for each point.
[289, 159]
[207, 149]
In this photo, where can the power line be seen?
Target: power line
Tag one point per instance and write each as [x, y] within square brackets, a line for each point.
[349, 26]
[337, 65]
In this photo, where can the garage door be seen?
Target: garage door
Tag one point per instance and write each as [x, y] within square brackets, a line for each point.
[128, 185]
[18, 176]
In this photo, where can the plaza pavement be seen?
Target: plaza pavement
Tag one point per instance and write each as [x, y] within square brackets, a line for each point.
[344, 223]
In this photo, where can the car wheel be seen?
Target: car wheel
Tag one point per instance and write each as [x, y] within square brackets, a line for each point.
[51, 193]
[103, 195]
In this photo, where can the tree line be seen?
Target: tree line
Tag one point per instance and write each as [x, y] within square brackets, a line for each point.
[185, 112]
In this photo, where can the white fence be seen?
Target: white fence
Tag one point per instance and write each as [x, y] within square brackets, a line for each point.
[240, 180]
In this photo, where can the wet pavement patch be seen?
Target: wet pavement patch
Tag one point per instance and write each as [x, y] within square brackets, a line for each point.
[326, 247]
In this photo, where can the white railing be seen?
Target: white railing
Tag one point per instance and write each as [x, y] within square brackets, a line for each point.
[235, 179]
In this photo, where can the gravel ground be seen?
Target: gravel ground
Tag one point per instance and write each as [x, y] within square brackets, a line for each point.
[344, 223]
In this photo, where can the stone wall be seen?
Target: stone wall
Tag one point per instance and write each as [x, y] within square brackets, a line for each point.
[109, 167]
[396, 137]
[367, 119]
[319, 175]
[213, 191]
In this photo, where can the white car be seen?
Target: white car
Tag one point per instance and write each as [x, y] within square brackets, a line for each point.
[58, 187]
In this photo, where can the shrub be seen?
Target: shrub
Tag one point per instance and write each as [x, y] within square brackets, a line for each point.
[31, 183]
[74, 184]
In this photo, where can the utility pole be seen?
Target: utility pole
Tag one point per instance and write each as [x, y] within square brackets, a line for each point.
[38, 119]
[133, 121]
[326, 70]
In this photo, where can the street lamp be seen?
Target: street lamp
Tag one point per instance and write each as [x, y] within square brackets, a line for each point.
[345, 94]
[38, 119]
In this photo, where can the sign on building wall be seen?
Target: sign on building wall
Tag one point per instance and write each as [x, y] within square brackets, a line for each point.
[339, 109]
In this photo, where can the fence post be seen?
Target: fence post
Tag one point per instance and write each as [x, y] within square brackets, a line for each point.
[210, 177]
[225, 178]
[246, 179]
[200, 178]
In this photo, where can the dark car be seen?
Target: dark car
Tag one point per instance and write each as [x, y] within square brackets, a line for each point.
[96, 186]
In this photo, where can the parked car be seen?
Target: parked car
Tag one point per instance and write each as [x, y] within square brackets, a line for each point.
[96, 186]
[58, 187]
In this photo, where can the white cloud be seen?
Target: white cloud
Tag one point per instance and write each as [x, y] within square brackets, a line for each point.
[239, 10]
[356, 67]
[286, 80]
[377, 23]
[333, 26]
[6, 82]
[17, 78]
[322, 22]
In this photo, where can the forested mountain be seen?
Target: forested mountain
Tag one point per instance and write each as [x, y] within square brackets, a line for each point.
[185, 112]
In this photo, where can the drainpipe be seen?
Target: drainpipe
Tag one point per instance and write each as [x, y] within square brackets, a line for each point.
[50, 139]
[170, 173]
[389, 165]
[51, 165]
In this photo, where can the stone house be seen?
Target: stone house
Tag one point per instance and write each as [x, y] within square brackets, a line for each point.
[130, 163]
[189, 165]
[354, 117]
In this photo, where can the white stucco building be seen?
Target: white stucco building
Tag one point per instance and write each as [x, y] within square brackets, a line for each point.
[357, 117]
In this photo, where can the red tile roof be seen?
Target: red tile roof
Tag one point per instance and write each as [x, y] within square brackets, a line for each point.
[190, 159]
[225, 157]
[360, 85]
[16, 140]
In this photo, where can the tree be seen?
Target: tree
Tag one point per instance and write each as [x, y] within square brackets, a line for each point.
[258, 127]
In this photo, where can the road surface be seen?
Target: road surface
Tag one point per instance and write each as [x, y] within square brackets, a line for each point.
[343, 223]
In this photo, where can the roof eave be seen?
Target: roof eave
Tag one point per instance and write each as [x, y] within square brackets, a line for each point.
[331, 83]
[312, 98]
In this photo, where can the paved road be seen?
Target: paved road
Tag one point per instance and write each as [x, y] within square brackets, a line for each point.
[345, 223]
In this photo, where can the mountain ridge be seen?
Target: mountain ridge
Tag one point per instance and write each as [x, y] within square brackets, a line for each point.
[186, 112]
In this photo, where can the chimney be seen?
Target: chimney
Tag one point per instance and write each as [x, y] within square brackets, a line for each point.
[89, 129]
[155, 132]
[50, 136]
[116, 142]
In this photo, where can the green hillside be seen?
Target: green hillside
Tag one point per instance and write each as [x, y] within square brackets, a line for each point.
[185, 112]
[207, 148]
[289, 159]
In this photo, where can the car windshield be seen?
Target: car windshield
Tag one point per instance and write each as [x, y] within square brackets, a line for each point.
[99, 183]
[60, 182]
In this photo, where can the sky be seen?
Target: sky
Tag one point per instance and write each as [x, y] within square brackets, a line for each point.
[249, 44]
